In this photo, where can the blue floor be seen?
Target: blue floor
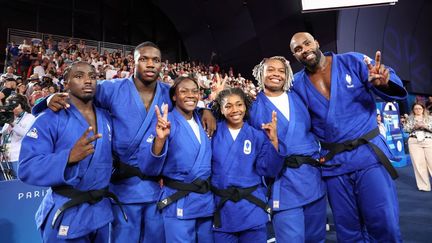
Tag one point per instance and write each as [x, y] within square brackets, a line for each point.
[415, 209]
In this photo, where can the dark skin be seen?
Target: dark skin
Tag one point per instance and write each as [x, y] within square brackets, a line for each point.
[147, 68]
[306, 50]
[81, 83]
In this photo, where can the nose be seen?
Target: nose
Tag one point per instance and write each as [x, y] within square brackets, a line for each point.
[150, 63]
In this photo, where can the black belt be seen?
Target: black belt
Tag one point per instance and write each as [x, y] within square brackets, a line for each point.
[336, 148]
[295, 161]
[236, 194]
[183, 189]
[78, 197]
[124, 171]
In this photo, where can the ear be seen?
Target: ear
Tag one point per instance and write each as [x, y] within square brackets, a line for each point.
[174, 97]
[316, 43]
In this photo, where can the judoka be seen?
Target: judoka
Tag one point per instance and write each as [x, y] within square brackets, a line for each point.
[131, 103]
[338, 90]
[186, 201]
[242, 156]
[298, 193]
[70, 152]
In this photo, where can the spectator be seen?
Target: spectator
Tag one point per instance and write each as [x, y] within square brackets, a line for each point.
[419, 127]
[8, 88]
[14, 130]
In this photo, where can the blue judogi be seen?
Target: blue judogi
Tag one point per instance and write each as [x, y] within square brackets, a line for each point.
[359, 184]
[242, 163]
[130, 122]
[186, 160]
[297, 196]
[43, 162]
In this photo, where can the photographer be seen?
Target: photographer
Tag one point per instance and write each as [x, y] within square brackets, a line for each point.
[17, 117]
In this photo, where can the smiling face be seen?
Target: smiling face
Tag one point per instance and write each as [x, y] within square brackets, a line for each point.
[274, 76]
[186, 97]
[306, 49]
[234, 109]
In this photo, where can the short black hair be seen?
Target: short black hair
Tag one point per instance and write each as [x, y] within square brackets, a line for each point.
[145, 44]
[68, 70]
[177, 81]
[217, 105]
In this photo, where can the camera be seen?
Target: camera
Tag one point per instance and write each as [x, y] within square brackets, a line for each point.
[6, 112]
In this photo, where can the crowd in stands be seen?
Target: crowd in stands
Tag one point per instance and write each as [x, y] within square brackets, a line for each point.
[35, 68]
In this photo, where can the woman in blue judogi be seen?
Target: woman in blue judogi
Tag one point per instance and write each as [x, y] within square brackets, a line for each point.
[298, 193]
[186, 201]
[242, 155]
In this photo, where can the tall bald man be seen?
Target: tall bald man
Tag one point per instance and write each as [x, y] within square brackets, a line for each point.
[338, 90]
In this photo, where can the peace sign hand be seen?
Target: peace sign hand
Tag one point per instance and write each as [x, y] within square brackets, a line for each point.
[378, 74]
[271, 130]
[163, 126]
[83, 147]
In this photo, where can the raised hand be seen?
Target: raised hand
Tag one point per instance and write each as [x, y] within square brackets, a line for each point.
[378, 74]
[58, 102]
[163, 126]
[163, 129]
[271, 130]
[83, 147]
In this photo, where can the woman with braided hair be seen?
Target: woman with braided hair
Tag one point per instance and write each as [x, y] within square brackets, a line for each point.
[298, 193]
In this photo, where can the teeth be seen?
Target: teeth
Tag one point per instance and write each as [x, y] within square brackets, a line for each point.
[275, 80]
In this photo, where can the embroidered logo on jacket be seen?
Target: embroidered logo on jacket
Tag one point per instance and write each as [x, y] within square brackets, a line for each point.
[33, 133]
[247, 147]
[150, 139]
[63, 231]
[349, 81]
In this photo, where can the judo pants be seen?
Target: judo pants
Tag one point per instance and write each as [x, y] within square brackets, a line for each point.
[302, 224]
[188, 230]
[100, 235]
[257, 234]
[145, 224]
[365, 206]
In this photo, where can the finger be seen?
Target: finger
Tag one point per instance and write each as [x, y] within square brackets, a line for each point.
[367, 60]
[165, 112]
[158, 114]
[55, 107]
[386, 75]
[64, 104]
[94, 138]
[86, 133]
[378, 59]
[65, 95]
[381, 69]
[274, 117]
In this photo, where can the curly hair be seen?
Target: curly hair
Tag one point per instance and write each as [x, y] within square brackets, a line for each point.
[218, 102]
[258, 72]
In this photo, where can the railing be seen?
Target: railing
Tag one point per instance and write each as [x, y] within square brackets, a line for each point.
[18, 36]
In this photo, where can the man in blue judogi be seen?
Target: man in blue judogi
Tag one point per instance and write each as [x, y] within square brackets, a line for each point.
[338, 90]
[70, 151]
[131, 103]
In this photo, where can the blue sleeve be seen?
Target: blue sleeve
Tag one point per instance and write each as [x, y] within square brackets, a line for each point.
[269, 162]
[40, 163]
[40, 107]
[105, 91]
